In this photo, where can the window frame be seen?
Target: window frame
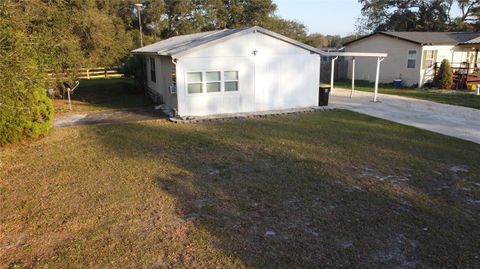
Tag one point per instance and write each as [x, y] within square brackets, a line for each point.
[214, 81]
[153, 70]
[201, 82]
[204, 82]
[412, 59]
[237, 81]
[432, 59]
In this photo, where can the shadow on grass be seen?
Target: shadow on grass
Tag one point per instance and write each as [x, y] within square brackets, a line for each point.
[299, 191]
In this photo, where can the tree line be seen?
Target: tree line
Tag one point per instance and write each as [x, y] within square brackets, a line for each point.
[419, 15]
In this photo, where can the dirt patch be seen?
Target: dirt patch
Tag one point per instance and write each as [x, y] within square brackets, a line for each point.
[108, 117]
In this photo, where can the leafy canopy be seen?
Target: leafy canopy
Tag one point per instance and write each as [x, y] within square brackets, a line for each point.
[419, 15]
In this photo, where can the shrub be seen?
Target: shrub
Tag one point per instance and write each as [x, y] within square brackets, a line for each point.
[444, 77]
[28, 114]
[25, 109]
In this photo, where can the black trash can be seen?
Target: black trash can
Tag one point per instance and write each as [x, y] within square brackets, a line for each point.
[323, 96]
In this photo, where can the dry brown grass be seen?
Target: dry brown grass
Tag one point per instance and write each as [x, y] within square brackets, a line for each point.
[332, 189]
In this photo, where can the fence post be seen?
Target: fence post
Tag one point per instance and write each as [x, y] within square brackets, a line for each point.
[105, 70]
[88, 73]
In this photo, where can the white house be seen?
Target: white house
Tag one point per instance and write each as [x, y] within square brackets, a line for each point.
[232, 71]
[412, 55]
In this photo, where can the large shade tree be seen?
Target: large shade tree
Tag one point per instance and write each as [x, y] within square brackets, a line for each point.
[419, 15]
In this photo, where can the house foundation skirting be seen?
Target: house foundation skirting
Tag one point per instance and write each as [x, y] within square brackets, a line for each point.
[235, 116]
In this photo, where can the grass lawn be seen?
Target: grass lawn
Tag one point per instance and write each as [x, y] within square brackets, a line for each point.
[459, 98]
[103, 94]
[331, 189]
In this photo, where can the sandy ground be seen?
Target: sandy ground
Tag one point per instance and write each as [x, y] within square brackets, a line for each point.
[107, 117]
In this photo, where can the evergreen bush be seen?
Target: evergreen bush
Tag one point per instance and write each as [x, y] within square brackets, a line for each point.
[444, 77]
[25, 109]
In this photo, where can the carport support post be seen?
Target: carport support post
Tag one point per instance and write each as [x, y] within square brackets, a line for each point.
[353, 76]
[332, 75]
[377, 75]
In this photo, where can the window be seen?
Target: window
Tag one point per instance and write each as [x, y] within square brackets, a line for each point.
[231, 81]
[213, 81]
[153, 76]
[429, 59]
[173, 85]
[412, 58]
[194, 82]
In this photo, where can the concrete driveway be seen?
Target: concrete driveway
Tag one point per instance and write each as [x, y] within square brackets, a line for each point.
[456, 121]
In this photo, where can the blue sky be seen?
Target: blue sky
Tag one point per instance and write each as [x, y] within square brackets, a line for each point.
[331, 17]
[336, 17]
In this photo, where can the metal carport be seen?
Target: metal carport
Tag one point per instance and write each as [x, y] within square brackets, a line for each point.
[380, 57]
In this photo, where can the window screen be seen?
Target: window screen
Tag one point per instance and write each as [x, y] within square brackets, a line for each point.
[153, 75]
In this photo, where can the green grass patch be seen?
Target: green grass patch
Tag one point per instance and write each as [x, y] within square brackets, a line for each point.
[459, 98]
[103, 94]
[333, 188]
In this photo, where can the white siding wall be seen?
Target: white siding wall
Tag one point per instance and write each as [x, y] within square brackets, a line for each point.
[163, 67]
[393, 67]
[442, 52]
[454, 54]
[279, 76]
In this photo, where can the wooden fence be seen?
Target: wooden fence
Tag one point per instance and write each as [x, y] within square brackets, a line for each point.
[93, 72]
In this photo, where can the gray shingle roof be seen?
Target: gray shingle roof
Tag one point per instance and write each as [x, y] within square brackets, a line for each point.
[430, 38]
[436, 38]
[181, 44]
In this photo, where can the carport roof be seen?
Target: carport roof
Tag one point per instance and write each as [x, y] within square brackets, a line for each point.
[180, 45]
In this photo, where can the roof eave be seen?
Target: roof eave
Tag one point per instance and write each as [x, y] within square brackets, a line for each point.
[286, 39]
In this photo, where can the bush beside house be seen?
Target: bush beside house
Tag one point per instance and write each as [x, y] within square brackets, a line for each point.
[25, 109]
[444, 77]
